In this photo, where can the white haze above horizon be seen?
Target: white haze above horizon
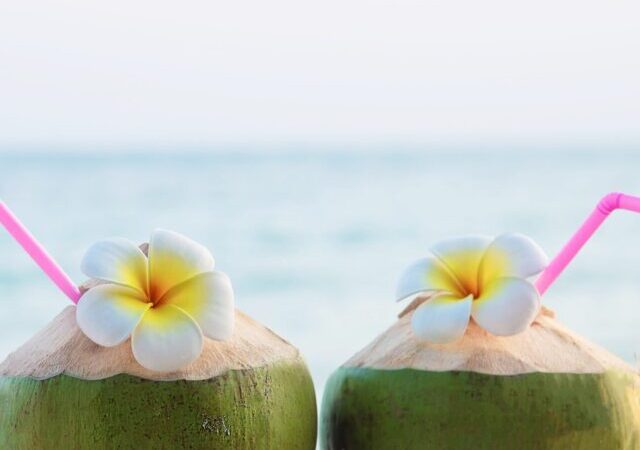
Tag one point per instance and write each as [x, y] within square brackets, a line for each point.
[116, 73]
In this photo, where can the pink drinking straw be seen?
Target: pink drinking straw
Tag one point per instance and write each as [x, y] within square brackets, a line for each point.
[38, 253]
[606, 206]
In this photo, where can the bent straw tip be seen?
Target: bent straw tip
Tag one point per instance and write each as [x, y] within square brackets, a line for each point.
[610, 202]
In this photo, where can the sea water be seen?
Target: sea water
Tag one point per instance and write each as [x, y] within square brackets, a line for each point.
[314, 241]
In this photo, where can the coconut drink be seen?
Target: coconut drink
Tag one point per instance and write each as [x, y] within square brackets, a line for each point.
[546, 388]
[475, 361]
[60, 390]
[154, 355]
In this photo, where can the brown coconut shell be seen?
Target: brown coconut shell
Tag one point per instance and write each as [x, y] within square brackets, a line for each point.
[546, 346]
[62, 348]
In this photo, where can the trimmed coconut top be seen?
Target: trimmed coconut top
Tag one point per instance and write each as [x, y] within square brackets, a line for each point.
[546, 346]
[62, 348]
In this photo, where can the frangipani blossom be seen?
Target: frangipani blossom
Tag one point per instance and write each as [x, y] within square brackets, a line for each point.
[165, 302]
[474, 277]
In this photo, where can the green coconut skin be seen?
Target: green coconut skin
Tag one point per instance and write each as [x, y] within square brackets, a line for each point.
[366, 408]
[270, 407]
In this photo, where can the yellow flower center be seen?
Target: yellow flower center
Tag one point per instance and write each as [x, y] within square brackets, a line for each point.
[469, 271]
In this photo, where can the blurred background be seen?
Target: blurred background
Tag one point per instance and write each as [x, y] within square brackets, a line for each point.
[317, 149]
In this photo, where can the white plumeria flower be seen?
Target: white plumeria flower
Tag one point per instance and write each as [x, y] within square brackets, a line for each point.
[478, 277]
[165, 302]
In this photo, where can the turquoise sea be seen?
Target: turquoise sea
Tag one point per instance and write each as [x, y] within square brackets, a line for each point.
[314, 240]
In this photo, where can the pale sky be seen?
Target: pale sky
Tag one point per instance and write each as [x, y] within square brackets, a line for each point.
[111, 73]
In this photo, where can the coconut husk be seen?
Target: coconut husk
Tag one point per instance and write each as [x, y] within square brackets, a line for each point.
[62, 348]
[546, 346]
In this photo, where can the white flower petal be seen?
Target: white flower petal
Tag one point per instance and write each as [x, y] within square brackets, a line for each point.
[166, 339]
[507, 306]
[116, 260]
[174, 258]
[424, 275]
[512, 255]
[441, 319]
[108, 313]
[208, 298]
[462, 256]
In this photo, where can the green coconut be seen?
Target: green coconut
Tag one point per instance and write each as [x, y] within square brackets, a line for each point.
[62, 391]
[546, 388]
